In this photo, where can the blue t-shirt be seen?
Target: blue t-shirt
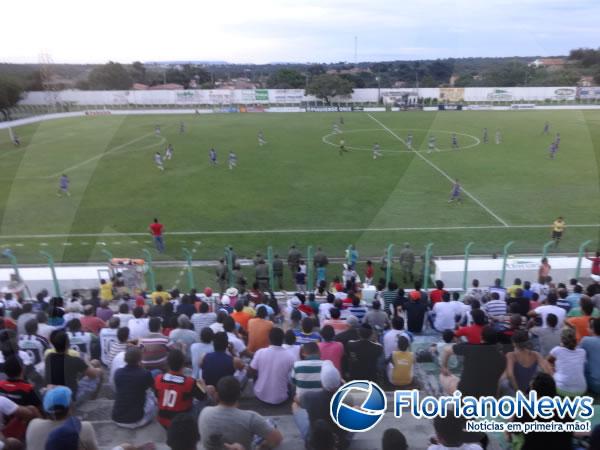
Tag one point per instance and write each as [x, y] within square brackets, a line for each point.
[131, 384]
[591, 345]
[215, 366]
[302, 338]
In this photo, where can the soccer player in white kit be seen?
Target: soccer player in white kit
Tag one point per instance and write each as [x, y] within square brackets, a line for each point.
[157, 130]
[232, 160]
[169, 152]
[376, 151]
[261, 139]
[431, 144]
[159, 161]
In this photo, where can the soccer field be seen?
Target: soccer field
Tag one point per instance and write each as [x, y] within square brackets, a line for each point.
[297, 188]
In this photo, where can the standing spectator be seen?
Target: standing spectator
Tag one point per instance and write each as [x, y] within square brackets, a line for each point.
[363, 355]
[61, 368]
[155, 347]
[199, 349]
[135, 405]
[108, 338]
[278, 271]
[591, 345]
[156, 230]
[271, 367]
[483, 366]
[183, 336]
[595, 263]
[204, 318]
[219, 364]
[293, 260]
[548, 336]
[306, 374]
[416, 308]
[544, 269]
[262, 275]
[330, 349]
[300, 278]
[138, 326]
[407, 263]
[569, 362]
[91, 323]
[258, 331]
[106, 290]
[175, 391]
[475, 291]
[42, 433]
[321, 262]
[242, 426]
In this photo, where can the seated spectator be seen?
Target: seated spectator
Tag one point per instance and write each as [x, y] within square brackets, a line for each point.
[496, 307]
[393, 439]
[562, 301]
[523, 363]
[160, 292]
[329, 349]
[184, 336]
[186, 307]
[63, 369]
[60, 430]
[157, 309]
[135, 404]
[325, 307]
[119, 346]
[498, 289]
[582, 324]
[473, 332]
[376, 318]
[123, 315]
[155, 347]
[321, 437]
[199, 349]
[591, 345]
[363, 355]
[400, 364]
[25, 316]
[306, 372]
[104, 312]
[549, 308]
[416, 308]
[80, 340]
[258, 331]
[313, 304]
[177, 392]
[438, 349]
[573, 298]
[358, 308]
[138, 326]
[437, 294]
[339, 325]
[548, 337]
[304, 306]
[204, 318]
[390, 338]
[450, 434]
[522, 302]
[475, 291]
[219, 364]
[235, 342]
[23, 394]
[483, 364]
[512, 291]
[44, 330]
[307, 333]
[242, 426]
[271, 369]
[314, 406]
[34, 344]
[289, 344]
[569, 363]
[183, 433]
[240, 316]
[108, 337]
[445, 313]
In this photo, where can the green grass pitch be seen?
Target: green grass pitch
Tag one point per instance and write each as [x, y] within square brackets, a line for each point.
[297, 188]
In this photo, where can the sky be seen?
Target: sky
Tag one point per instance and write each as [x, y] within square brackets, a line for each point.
[262, 31]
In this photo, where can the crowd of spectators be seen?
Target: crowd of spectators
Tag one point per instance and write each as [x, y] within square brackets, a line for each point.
[186, 361]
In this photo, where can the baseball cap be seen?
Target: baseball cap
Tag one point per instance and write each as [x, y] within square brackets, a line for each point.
[57, 399]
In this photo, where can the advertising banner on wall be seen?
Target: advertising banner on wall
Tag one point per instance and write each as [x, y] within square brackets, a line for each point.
[588, 93]
[565, 94]
[499, 95]
[452, 94]
[285, 95]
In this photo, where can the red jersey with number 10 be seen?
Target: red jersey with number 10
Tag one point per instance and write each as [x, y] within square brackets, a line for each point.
[175, 395]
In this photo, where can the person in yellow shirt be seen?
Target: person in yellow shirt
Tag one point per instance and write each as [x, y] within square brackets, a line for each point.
[401, 364]
[558, 227]
[106, 290]
[159, 292]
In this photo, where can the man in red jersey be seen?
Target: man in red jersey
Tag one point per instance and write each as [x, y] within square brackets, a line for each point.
[156, 230]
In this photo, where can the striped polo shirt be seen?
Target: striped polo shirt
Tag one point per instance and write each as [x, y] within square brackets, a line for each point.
[306, 375]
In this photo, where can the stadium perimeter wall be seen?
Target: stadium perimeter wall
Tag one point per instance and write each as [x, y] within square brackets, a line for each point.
[297, 96]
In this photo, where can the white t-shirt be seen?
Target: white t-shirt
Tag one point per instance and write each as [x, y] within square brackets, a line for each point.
[390, 341]
[118, 362]
[324, 310]
[544, 310]
[108, 336]
[445, 313]
[7, 408]
[124, 319]
[569, 369]
[138, 328]
[81, 342]
[237, 343]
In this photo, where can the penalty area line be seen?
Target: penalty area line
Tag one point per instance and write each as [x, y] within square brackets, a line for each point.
[471, 196]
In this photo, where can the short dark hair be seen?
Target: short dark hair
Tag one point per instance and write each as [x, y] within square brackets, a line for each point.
[183, 433]
[290, 337]
[276, 336]
[365, 332]
[154, 324]
[13, 366]
[450, 429]
[203, 307]
[310, 348]
[478, 317]
[74, 325]
[138, 312]
[228, 389]
[327, 333]
[31, 326]
[133, 356]
[447, 336]
[262, 312]
[334, 313]
[123, 334]
[229, 324]
[544, 385]
[59, 340]
[489, 335]
[393, 439]
[123, 308]
[398, 323]
[321, 436]
[220, 341]
[307, 325]
[403, 343]
[114, 322]
[376, 304]
[175, 359]
[207, 335]
[552, 320]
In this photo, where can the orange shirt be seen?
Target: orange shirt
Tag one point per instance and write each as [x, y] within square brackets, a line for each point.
[582, 326]
[242, 318]
[258, 333]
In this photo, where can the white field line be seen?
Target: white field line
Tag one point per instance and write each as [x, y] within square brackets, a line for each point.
[290, 231]
[492, 213]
